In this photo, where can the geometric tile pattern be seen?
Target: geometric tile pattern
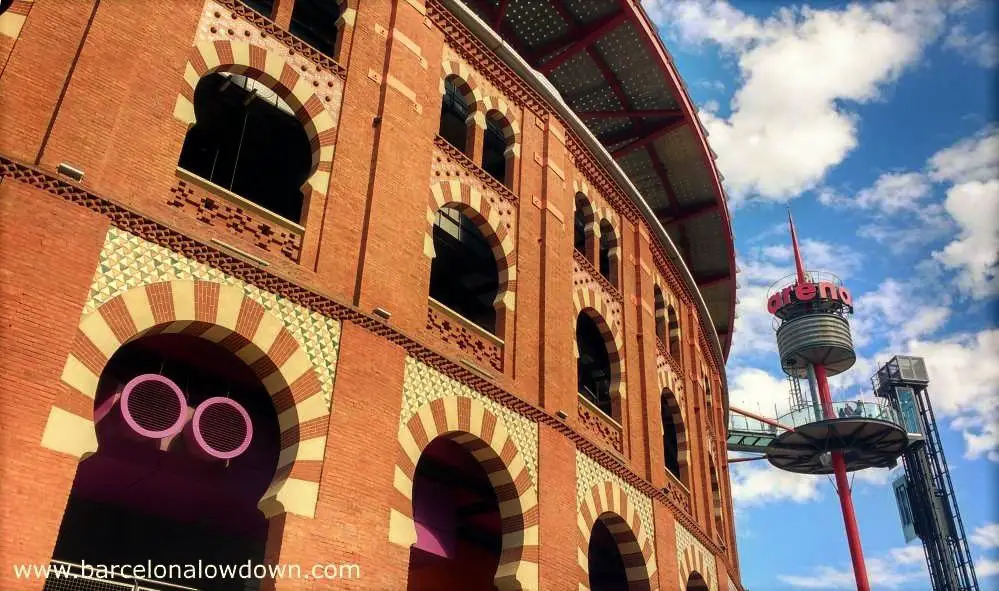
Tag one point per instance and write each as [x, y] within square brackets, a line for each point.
[127, 261]
[626, 513]
[589, 474]
[424, 384]
[692, 557]
[467, 421]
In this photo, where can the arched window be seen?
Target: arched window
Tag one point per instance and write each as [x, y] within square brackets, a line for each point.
[495, 159]
[593, 368]
[673, 327]
[264, 7]
[717, 502]
[315, 22]
[463, 274]
[608, 252]
[661, 331]
[247, 140]
[695, 582]
[674, 437]
[454, 114]
[582, 220]
[189, 441]
[459, 529]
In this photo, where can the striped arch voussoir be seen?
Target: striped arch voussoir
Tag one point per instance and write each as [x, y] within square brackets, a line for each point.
[588, 301]
[512, 128]
[682, 445]
[274, 72]
[471, 425]
[224, 315]
[610, 504]
[466, 81]
[477, 208]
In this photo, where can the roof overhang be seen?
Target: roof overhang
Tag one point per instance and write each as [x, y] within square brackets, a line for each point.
[602, 66]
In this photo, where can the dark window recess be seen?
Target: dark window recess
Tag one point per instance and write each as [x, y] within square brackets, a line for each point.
[579, 225]
[248, 145]
[670, 442]
[4, 5]
[454, 114]
[607, 242]
[661, 332]
[494, 150]
[314, 21]
[674, 333]
[607, 571]
[463, 274]
[593, 372]
[264, 7]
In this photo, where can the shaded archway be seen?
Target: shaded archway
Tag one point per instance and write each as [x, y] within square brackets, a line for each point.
[673, 328]
[615, 552]
[247, 140]
[608, 256]
[188, 443]
[662, 333]
[695, 582]
[594, 372]
[582, 227]
[463, 273]
[674, 437]
[484, 437]
[456, 123]
[497, 147]
[458, 523]
[718, 510]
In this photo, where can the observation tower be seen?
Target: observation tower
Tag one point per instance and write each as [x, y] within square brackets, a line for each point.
[819, 436]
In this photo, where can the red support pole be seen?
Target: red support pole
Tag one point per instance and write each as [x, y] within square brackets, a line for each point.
[843, 489]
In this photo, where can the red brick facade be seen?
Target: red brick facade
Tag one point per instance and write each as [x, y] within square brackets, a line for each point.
[101, 85]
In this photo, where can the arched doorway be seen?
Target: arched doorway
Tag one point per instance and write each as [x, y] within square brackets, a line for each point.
[695, 582]
[459, 535]
[188, 442]
[614, 557]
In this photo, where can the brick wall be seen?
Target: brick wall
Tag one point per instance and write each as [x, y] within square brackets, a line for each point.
[363, 245]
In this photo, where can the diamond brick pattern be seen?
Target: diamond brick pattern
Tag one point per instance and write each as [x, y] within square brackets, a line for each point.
[424, 384]
[127, 261]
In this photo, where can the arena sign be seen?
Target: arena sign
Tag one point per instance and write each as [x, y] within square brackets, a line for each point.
[806, 292]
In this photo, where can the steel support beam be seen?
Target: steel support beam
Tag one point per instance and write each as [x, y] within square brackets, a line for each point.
[649, 137]
[582, 40]
[672, 113]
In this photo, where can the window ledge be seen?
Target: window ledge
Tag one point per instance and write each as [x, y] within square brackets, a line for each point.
[677, 492]
[242, 202]
[476, 170]
[583, 262]
[481, 345]
[600, 425]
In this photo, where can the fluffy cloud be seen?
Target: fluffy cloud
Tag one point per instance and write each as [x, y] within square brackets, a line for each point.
[790, 121]
[986, 567]
[986, 536]
[758, 483]
[894, 569]
[981, 48]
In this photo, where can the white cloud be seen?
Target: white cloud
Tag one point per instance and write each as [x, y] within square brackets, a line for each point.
[981, 48]
[790, 120]
[758, 483]
[986, 567]
[974, 254]
[971, 159]
[986, 536]
[897, 567]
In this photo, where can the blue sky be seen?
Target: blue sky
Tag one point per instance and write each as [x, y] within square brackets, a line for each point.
[876, 123]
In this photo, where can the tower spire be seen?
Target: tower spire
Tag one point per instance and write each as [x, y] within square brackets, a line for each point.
[799, 264]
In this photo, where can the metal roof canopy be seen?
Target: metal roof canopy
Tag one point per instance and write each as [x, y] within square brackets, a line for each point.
[606, 60]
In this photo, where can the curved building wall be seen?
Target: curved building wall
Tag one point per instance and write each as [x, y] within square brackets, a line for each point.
[363, 367]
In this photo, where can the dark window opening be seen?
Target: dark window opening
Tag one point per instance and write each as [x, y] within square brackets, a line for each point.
[583, 211]
[458, 524]
[661, 331]
[716, 497]
[454, 116]
[605, 563]
[608, 241]
[670, 440]
[674, 332]
[314, 21]
[5, 4]
[140, 498]
[494, 149]
[263, 7]
[463, 274]
[593, 371]
[246, 141]
[695, 582]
